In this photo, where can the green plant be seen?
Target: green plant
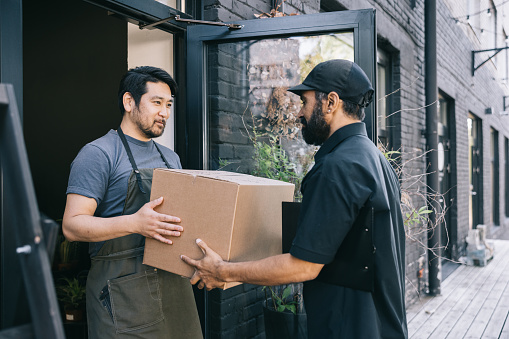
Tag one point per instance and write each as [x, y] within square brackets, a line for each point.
[283, 298]
[416, 217]
[271, 161]
[71, 292]
[68, 250]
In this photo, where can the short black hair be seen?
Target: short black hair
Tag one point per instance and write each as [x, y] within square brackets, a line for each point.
[352, 110]
[135, 82]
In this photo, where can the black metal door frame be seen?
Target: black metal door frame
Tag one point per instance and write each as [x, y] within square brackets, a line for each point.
[361, 23]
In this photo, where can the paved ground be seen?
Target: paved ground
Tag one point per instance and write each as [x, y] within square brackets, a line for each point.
[500, 232]
[474, 302]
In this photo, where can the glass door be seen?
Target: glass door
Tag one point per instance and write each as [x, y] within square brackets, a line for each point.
[238, 112]
[248, 102]
[237, 81]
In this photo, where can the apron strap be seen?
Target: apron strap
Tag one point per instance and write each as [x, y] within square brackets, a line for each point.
[162, 156]
[131, 159]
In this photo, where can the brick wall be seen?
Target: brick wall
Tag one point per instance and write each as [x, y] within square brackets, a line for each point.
[400, 29]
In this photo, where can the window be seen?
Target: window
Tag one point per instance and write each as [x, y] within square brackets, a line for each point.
[383, 89]
[249, 101]
[236, 75]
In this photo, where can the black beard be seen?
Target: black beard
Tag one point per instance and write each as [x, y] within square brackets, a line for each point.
[149, 132]
[316, 130]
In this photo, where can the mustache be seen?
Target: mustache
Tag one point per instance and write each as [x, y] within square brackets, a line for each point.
[163, 121]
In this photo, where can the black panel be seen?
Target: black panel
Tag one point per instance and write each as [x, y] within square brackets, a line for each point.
[26, 246]
[145, 12]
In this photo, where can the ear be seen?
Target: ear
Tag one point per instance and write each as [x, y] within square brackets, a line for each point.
[128, 101]
[333, 102]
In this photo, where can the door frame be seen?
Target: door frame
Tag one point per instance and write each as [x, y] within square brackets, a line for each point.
[360, 22]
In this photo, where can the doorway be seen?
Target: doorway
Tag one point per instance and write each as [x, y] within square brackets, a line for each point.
[445, 155]
[475, 171]
[495, 177]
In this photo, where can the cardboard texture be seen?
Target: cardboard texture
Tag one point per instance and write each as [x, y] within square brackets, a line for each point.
[238, 215]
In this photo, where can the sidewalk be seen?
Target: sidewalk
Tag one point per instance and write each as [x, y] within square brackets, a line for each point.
[474, 303]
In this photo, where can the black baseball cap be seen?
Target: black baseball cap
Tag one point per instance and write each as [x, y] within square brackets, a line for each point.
[344, 77]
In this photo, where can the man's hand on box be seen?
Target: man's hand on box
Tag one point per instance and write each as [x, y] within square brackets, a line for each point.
[208, 268]
[152, 224]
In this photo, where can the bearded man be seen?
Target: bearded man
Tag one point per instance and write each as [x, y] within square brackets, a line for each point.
[108, 206]
[349, 249]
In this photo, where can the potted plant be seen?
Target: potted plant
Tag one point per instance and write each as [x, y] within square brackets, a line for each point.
[67, 254]
[283, 312]
[71, 294]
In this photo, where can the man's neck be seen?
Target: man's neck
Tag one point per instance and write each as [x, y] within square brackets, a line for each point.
[132, 130]
[342, 123]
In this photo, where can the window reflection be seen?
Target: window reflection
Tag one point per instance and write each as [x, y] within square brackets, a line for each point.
[250, 113]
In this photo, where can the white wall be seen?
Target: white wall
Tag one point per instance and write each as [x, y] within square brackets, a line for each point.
[153, 47]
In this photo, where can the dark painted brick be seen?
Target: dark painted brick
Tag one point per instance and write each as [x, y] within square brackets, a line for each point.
[252, 311]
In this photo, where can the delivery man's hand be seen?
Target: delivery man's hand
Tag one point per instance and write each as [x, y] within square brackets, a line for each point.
[151, 224]
[208, 269]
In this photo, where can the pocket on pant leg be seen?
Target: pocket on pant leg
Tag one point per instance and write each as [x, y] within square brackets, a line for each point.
[104, 298]
[135, 301]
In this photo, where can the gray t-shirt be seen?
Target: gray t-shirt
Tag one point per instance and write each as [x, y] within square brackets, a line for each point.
[101, 170]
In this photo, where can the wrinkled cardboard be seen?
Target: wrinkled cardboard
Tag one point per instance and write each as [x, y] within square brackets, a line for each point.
[237, 215]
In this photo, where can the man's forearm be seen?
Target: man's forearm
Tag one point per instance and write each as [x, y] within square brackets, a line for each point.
[276, 270]
[93, 229]
[80, 224]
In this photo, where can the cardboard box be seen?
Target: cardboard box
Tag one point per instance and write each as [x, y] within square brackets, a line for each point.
[239, 216]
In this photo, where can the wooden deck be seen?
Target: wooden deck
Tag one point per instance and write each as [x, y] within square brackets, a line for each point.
[474, 303]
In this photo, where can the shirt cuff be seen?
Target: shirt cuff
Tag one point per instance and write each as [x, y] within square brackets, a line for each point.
[83, 192]
[306, 255]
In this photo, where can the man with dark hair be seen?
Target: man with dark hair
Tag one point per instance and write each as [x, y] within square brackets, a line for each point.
[108, 206]
[350, 244]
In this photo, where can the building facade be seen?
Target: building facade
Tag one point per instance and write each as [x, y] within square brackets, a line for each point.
[62, 60]
[472, 120]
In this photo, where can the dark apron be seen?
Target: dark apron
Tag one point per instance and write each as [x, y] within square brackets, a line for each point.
[126, 299]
